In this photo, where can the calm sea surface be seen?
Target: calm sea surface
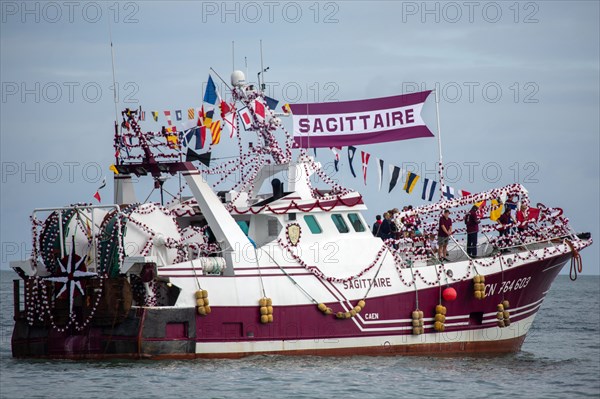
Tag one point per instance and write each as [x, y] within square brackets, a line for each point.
[560, 359]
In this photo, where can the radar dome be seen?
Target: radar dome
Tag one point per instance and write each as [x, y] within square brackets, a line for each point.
[238, 79]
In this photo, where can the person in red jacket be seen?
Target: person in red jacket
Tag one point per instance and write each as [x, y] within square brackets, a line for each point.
[444, 233]
[472, 222]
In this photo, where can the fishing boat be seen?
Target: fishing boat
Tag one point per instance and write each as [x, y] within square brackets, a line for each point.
[290, 270]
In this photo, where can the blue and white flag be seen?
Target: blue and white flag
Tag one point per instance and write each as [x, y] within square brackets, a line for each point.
[448, 192]
[428, 189]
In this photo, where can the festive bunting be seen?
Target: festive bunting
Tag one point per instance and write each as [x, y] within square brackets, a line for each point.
[178, 115]
[142, 115]
[351, 152]
[286, 109]
[428, 189]
[394, 175]
[365, 164]
[155, 116]
[210, 95]
[113, 169]
[380, 172]
[411, 182]
[191, 113]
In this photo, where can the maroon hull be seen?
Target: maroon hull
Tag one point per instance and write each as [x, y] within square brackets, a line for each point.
[174, 332]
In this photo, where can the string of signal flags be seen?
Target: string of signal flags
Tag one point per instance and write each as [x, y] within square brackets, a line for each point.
[199, 123]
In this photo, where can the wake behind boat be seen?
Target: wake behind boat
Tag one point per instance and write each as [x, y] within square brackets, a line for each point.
[237, 272]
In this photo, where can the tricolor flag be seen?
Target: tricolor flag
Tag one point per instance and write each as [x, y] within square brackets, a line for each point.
[142, 115]
[351, 152]
[168, 116]
[380, 172]
[365, 164]
[97, 195]
[448, 192]
[411, 182]
[191, 113]
[394, 175]
[210, 95]
[428, 189]
[215, 129]
[246, 118]
[178, 114]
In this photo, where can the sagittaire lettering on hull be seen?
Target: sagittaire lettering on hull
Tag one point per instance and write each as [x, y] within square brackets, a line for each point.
[366, 283]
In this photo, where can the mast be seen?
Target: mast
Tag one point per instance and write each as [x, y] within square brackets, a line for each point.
[439, 137]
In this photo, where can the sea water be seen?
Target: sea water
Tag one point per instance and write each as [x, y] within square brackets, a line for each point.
[560, 359]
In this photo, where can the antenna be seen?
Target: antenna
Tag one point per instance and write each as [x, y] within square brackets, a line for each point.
[112, 59]
[261, 85]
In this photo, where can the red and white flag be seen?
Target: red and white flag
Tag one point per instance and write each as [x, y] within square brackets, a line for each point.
[168, 116]
[246, 118]
[365, 164]
[259, 110]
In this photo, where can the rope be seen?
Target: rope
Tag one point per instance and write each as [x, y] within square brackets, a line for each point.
[376, 274]
[290, 277]
[576, 262]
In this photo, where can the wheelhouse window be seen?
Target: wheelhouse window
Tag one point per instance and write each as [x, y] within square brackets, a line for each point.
[338, 220]
[312, 224]
[356, 223]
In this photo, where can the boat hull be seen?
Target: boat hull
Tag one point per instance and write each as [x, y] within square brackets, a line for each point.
[382, 328]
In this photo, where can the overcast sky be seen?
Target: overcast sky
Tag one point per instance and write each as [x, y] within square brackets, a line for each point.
[519, 85]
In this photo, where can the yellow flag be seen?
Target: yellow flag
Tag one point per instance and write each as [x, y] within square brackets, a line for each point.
[495, 210]
[113, 168]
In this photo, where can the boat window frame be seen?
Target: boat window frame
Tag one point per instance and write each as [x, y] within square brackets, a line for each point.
[337, 224]
[314, 222]
[359, 220]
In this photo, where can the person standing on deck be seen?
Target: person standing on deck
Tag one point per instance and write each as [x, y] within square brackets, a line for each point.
[444, 233]
[472, 222]
[377, 225]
